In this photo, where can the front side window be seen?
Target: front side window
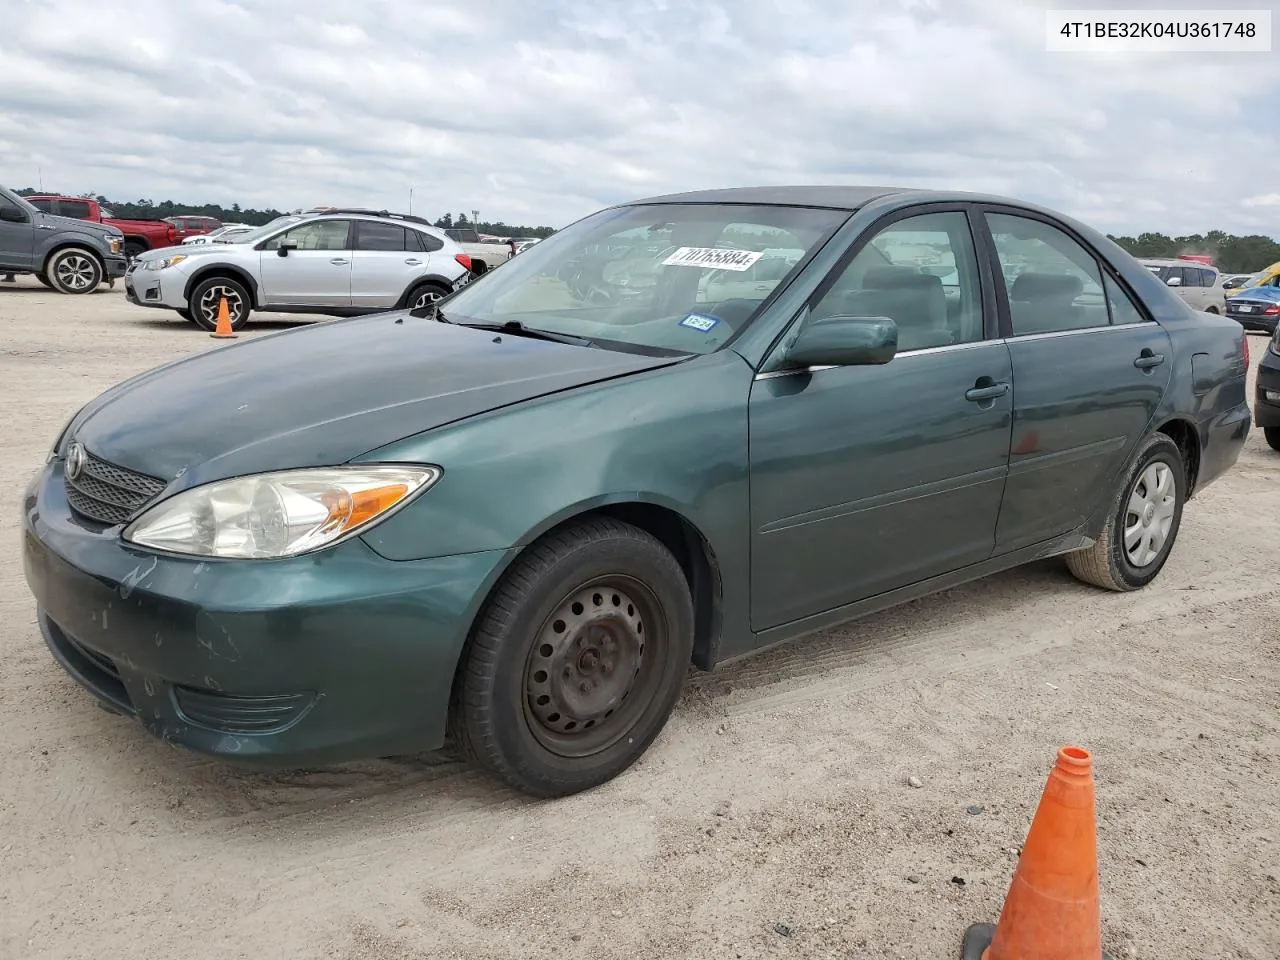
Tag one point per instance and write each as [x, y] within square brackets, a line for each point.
[76, 209]
[1058, 285]
[44, 206]
[316, 235]
[922, 273]
[681, 278]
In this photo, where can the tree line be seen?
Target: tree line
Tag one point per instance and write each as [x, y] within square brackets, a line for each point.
[1231, 254]
[150, 210]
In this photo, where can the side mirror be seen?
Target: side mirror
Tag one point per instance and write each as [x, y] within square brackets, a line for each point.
[845, 342]
[1174, 281]
[12, 215]
[285, 247]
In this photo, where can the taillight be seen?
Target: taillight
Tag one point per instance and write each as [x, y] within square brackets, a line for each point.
[463, 259]
[1273, 310]
[173, 234]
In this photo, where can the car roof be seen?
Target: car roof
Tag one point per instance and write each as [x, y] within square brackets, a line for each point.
[838, 197]
[1174, 262]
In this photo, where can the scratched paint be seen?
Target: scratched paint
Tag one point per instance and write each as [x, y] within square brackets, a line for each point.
[135, 576]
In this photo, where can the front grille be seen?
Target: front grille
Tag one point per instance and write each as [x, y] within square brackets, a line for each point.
[110, 494]
[229, 714]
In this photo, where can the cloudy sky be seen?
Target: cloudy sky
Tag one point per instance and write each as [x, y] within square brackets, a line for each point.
[540, 111]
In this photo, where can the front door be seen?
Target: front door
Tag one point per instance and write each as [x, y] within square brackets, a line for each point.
[865, 479]
[315, 274]
[1089, 368]
[17, 240]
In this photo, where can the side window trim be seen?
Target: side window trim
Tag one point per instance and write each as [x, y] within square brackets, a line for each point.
[1100, 264]
[990, 328]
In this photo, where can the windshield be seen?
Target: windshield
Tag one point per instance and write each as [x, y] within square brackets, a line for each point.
[256, 234]
[668, 277]
[1261, 275]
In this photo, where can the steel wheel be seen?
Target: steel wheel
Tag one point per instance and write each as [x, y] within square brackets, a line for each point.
[75, 271]
[591, 656]
[1147, 522]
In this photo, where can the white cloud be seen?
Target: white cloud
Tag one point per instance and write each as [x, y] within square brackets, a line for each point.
[539, 111]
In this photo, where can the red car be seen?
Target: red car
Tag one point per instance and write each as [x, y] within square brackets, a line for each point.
[139, 235]
[193, 226]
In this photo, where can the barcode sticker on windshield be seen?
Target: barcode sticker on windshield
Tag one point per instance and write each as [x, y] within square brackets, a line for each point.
[713, 258]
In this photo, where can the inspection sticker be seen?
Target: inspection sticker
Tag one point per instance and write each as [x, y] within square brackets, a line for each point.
[713, 258]
[698, 321]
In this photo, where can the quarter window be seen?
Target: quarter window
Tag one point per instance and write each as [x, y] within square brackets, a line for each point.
[1053, 283]
[922, 273]
[1123, 309]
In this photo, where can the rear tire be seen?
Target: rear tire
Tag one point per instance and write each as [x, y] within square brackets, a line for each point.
[204, 299]
[424, 294]
[134, 249]
[73, 270]
[1273, 437]
[576, 661]
[1213, 310]
[1143, 522]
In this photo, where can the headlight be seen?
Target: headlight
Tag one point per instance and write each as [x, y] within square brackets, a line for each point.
[275, 515]
[115, 243]
[164, 263]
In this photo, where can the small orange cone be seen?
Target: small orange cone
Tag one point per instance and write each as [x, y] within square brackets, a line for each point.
[1051, 911]
[224, 322]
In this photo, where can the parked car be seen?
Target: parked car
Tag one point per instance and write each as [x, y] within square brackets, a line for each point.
[1268, 277]
[139, 235]
[335, 264]
[222, 234]
[65, 254]
[1257, 308]
[1195, 283]
[188, 227]
[484, 256]
[1266, 407]
[519, 513]
[1234, 281]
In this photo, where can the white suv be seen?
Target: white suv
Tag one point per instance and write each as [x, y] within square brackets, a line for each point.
[339, 263]
[1196, 283]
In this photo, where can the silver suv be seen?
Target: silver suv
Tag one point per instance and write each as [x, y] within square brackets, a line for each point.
[339, 263]
[1196, 283]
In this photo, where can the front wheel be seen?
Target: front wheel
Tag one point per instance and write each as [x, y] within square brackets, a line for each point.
[1143, 523]
[208, 294]
[576, 661]
[1273, 437]
[73, 270]
[44, 278]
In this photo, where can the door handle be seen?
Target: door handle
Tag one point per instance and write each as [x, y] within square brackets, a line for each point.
[1146, 359]
[337, 261]
[413, 263]
[986, 393]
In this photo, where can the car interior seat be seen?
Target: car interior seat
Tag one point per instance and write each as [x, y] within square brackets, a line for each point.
[1043, 302]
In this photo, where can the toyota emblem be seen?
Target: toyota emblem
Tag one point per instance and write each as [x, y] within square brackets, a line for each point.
[75, 461]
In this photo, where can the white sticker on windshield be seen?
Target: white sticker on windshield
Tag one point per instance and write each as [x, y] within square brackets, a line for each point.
[713, 258]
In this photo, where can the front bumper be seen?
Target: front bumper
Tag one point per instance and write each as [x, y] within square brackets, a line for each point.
[155, 288]
[116, 266]
[338, 656]
[1266, 412]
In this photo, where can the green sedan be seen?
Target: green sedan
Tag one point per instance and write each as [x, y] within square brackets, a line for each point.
[675, 432]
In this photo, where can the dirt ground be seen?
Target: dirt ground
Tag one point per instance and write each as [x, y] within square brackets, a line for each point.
[773, 818]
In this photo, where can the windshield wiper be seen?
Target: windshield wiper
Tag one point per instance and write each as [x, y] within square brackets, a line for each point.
[516, 328]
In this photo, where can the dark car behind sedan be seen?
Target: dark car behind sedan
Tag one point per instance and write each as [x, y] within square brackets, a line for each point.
[1266, 406]
[1257, 308]
[518, 515]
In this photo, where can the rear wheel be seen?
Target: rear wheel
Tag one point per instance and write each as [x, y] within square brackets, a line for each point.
[73, 270]
[208, 294]
[425, 294]
[576, 661]
[1143, 523]
[1213, 310]
[1273, 436]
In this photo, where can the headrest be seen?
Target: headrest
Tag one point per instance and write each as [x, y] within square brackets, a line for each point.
[899, 278]
[1046, 286]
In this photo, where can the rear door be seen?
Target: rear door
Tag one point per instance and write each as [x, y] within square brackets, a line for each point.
[1089, 370]
[386, 260]
[315, 274]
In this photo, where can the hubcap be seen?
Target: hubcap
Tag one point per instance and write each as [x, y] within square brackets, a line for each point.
[590, 667]
[1149, 516]
[428, 297]
[210, 299]
[77, 272]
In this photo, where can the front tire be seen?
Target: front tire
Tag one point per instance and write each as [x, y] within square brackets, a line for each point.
[207, 294]
[44, 278]
[576, 661]
[1143, 522]
[1273, 437]
[73, 270]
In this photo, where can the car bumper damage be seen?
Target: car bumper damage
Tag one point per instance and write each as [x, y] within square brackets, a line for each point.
[315, 659]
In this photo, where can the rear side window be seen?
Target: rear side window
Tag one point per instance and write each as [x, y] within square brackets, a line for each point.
[1053, 283]
[1208, 278]
[422, 242]
[1123, 309]
[74, 208]
[371, 235]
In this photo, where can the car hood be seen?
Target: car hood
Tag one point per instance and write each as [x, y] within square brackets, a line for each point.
[84, 226]
[325, 394]
[186, 249]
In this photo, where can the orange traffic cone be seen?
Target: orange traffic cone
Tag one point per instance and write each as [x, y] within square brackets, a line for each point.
[1051, 911]
[223, 332]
